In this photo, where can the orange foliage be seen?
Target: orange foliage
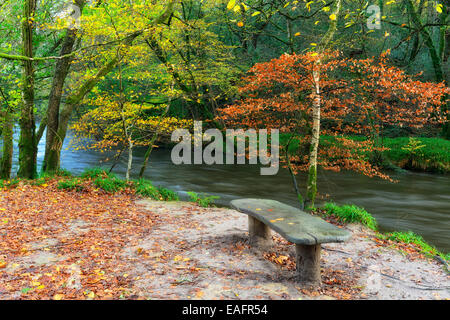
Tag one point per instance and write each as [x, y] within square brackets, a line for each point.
[359, 97]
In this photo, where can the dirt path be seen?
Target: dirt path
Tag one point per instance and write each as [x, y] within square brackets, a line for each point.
[96, 246]
[208, 257]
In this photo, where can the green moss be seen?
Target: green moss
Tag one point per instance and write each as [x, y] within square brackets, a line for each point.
[350, 214]
[312, 185]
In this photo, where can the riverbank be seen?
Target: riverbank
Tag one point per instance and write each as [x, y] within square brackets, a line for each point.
[93, 244]
[417, 154]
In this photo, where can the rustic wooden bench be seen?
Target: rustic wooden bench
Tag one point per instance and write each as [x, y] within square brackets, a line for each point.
[306, 231]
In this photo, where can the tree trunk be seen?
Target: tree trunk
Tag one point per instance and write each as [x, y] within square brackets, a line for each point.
[27, 142]
[311, 190]
[130, 158]
[6, 162]
[434, 54]
[51, 161]
[75, 99]
[152, 142]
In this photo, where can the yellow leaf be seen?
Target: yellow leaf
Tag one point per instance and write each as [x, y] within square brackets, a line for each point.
[58, 296]
[231, 4]
[333, 16]
[91, 295]
[297, 34]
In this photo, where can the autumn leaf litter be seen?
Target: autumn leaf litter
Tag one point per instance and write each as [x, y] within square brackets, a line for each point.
[94, 245]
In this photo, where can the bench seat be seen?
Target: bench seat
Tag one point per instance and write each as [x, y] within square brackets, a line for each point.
[306, 231]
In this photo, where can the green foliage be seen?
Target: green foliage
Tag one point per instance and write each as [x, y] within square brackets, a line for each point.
[417, 240]
[424, 154]
[71, 184]
[428, 154]
[146, 189]
[168, 195]
[350, 214]
[203, 200]
[10, 183]
[94, 173]
[59, 173]
[110, 184]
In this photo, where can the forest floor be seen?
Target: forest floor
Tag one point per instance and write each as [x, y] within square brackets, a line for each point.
[91, 245]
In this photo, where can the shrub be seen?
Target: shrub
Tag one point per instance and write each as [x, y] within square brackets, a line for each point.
[350, 214]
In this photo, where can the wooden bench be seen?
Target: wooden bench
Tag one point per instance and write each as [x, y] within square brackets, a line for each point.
[306, 231]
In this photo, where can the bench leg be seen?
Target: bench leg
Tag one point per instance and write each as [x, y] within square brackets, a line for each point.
[258, 232]
[308, 264]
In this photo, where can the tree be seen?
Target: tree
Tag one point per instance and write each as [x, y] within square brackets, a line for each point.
[358, 97]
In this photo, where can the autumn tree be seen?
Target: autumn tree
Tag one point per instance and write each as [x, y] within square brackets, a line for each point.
[358, 97]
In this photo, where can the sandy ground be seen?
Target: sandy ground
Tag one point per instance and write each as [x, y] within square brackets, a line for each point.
[188, 252]
[205, 255]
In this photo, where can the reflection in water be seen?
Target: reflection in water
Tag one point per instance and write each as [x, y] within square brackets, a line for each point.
[419, 202]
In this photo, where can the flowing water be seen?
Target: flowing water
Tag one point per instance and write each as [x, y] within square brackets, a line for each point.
[419, 202]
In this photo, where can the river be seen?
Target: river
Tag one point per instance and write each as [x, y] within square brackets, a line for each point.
[418, 202]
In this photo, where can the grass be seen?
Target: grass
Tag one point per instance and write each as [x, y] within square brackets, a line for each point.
[203, 200]
[146, 189]
[433, 154]
[110, 184]
[355, 214]
[71, 184]
[94, 173]
[350, 214]
[167, 194]
[410, 237]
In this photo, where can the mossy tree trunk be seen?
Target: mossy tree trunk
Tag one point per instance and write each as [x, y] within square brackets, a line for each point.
[317, 104]
[7, 152]
[436, 54]
[77, 97]
[51, 160]
[27, 142]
